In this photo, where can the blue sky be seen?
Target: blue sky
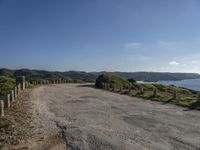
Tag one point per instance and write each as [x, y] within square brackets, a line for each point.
[97, 35]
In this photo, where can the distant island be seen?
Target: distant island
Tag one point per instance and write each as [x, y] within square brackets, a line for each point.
[139, 76]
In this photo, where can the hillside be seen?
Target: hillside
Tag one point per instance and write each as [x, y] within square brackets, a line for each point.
[167, 94]
[156, 76]
[140, 76]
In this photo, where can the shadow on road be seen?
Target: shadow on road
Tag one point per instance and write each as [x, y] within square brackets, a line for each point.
[86, 85]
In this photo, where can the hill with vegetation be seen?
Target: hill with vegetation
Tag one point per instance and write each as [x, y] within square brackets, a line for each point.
[7, 83]
[166, 94]
[139, 76]
[157, 76]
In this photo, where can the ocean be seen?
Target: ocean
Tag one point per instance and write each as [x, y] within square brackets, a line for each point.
[190, 84]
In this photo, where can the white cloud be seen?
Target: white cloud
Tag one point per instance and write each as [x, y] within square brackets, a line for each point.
[132, 45]
[173, 63]
[170, 56]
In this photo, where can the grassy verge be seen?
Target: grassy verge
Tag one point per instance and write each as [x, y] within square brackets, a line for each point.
[184, 97]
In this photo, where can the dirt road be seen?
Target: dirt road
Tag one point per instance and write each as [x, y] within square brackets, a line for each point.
[91, 119]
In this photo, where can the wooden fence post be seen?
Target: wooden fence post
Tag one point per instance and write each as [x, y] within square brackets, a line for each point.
[27, 84]
[18, 89]
[108, 86]
[155, 92]
[12, 96]
[120, 89]
[103, 85]
[174, 96]
[113, 88]
[198, 97]
[129, 89]
[7, 101]
[141, 90]
[1, 108]
[15, 92]
[23, 82]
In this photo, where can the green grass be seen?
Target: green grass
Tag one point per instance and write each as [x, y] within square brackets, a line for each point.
[165, 88]
[149, 86]
[162, 98]
[143, 95]
[158, 97]
[185, 101]
[178, 90]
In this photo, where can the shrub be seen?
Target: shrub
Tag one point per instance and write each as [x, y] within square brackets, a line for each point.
[113, 81]
[131, 80]
[6, 85]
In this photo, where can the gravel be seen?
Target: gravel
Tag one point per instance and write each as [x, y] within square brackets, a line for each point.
[92, 119]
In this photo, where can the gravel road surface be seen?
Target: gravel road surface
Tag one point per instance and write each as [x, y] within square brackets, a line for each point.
[92, 119]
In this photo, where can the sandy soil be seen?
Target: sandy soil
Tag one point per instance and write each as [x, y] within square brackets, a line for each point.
[19, 130]
[89, 119]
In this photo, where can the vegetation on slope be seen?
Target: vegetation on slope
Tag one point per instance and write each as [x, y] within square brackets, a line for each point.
[139, 76]
[6, 85]
[157, 76]
[38, 80]
[167, 94]
[113, 81]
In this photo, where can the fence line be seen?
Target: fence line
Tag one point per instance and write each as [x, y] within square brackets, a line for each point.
[21, 85]
[140, 90]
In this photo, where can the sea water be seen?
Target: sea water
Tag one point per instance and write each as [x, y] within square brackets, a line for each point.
[190, 83]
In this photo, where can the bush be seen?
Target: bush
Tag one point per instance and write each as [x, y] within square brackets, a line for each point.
[6, 85]
[131, 80]
[113, 81]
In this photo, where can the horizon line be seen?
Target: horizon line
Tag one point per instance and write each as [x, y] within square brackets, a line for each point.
[34, 69]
